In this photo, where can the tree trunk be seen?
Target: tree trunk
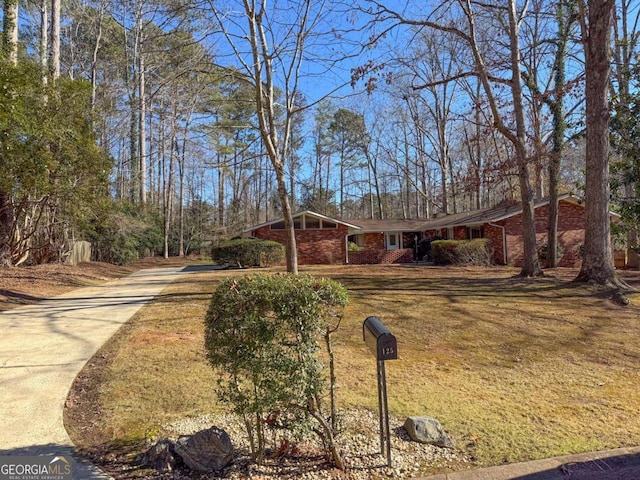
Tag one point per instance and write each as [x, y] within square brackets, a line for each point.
[55, 39]
[552, 236]
[374, 172]
[168, 203]
[142, 129]
[597, 261]
[559, 127]
[633, 259]
[530, 262]
[182, 166]
[43, 39]
[221, 194]
[6, 230]
[444, 173]
[181, 250]
[94, 57]
[134, 137]
[290, 245]
[10, 51]
[10, 31]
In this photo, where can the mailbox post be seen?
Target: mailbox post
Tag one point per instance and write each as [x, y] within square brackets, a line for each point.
[384, 346]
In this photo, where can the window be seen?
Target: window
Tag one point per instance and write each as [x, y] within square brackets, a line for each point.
[307, 223]
[328, 224]
[358, 239]
[311, 222]
[474, 232]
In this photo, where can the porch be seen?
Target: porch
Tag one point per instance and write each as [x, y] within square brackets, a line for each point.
[381, 247]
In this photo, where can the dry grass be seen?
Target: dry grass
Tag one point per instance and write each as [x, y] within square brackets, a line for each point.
[514, 369]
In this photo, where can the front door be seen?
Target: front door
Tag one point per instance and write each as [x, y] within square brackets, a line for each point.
[393, 241]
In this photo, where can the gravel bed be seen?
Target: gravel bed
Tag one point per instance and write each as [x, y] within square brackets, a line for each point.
[359, 443]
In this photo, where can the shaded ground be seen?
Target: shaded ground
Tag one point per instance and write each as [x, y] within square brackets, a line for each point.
[26, 285]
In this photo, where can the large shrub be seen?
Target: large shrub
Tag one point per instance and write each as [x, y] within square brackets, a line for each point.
[248, 252]
[263, 334]
[122, 233]
[461, 252]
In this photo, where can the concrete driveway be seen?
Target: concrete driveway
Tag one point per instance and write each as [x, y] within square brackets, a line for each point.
[44, 346]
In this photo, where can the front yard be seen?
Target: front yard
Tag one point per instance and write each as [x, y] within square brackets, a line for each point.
[515, 369]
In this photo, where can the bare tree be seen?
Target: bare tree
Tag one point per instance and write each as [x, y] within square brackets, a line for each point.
[43, 38]
[269, 40]
[563, 17]
[549, 88]
[509, 19]
[434, 58]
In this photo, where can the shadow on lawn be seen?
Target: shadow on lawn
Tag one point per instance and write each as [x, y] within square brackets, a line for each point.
[20, 298]
[451, 287]
[507, 319]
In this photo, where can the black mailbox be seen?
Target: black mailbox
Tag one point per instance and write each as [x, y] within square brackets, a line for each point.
[379, 339]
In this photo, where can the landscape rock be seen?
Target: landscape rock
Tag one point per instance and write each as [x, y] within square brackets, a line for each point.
[208, 450]
[162, 457]
[360, 445]
[427, 430]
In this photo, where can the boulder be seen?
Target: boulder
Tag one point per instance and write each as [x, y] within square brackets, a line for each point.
[162, 457]
[427, 430]
[208, 450]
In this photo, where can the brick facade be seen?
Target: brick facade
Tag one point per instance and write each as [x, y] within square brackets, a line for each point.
[315, 246]
[460, 233]
[373, 241]
[571, 226]
[366, 257]
[494, 234]
[328, 245]
[373, 251]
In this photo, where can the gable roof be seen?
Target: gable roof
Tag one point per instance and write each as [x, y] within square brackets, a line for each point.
[300, 214]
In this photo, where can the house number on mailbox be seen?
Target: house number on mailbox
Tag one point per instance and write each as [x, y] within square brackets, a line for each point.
[383, 345]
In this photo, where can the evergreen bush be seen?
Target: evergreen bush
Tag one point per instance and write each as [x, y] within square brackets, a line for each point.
[263, 333]
[121, 233]
[248, 252]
